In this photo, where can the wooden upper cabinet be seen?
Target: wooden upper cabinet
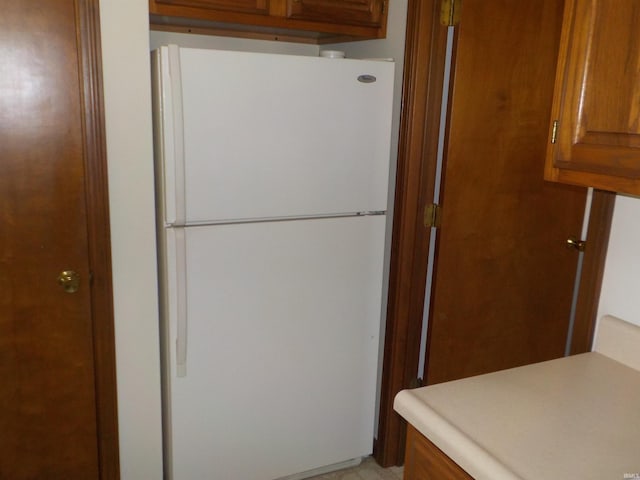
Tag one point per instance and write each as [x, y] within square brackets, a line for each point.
[248, 6]
[309, 21]
[355, 12]
[595, 124]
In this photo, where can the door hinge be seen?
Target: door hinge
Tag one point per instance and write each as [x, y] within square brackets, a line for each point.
[573, 242]
[432, 214]
[450, 12]
[554, 131]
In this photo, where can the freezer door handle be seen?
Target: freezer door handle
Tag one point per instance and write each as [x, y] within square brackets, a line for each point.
[173, 118]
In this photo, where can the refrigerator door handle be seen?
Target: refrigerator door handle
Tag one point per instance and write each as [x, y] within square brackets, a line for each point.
[177, 275]
[175, 159]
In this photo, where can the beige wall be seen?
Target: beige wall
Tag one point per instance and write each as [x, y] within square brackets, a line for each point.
[620, 294]
[125, 52]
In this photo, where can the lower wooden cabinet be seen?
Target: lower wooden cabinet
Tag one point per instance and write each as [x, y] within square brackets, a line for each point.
[425, 461]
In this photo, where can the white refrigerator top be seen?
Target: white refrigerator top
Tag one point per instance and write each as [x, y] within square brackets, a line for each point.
[248, 136]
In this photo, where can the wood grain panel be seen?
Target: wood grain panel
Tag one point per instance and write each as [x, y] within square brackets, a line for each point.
[99, 236]
[48, 414]
[507, 81]
[306, 21]
[503, 280]
[425, 461]
[250, 6]
[356, 12]
[57, 399]
[597, 100]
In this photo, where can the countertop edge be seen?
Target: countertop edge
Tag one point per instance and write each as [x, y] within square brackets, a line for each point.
[468, 454]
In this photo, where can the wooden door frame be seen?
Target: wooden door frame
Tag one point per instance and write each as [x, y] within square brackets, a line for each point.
[419, 129]
[98, 234]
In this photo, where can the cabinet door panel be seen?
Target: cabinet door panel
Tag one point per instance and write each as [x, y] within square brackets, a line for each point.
[307, 21]
[250, 6]
[597, 104]
[355, 12]
[426, 461]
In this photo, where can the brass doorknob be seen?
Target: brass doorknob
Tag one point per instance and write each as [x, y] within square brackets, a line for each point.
[579, 245]
[69, 281]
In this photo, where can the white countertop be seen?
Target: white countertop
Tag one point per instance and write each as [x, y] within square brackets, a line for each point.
[572, 418]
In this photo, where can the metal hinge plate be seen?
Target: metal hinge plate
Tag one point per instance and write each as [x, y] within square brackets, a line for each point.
[554, 131]
[432, 214]
[573, 242]
[450, 12]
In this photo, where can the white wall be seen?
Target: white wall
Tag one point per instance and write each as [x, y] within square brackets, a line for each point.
[620, 294]
[125, 53]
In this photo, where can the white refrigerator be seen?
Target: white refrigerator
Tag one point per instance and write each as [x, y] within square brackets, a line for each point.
[272, 175]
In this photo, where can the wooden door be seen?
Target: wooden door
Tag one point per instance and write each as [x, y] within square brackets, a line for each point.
[57, 395]
[503, 279]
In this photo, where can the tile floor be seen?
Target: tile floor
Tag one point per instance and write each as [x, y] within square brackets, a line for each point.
[367, 470]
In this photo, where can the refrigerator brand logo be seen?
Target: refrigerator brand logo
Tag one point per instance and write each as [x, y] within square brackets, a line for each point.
[367, 78]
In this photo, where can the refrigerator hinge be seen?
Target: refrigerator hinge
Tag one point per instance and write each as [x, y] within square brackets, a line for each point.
[432, 215]
[450, 12]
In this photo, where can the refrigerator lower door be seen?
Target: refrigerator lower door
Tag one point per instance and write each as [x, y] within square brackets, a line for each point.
[282, 348]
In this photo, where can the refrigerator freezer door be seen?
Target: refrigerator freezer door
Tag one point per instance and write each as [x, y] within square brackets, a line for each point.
[282, 350]
[256, 135]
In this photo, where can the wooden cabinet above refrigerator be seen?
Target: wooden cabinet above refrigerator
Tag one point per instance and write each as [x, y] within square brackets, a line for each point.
[595, 123]
[307, 21]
